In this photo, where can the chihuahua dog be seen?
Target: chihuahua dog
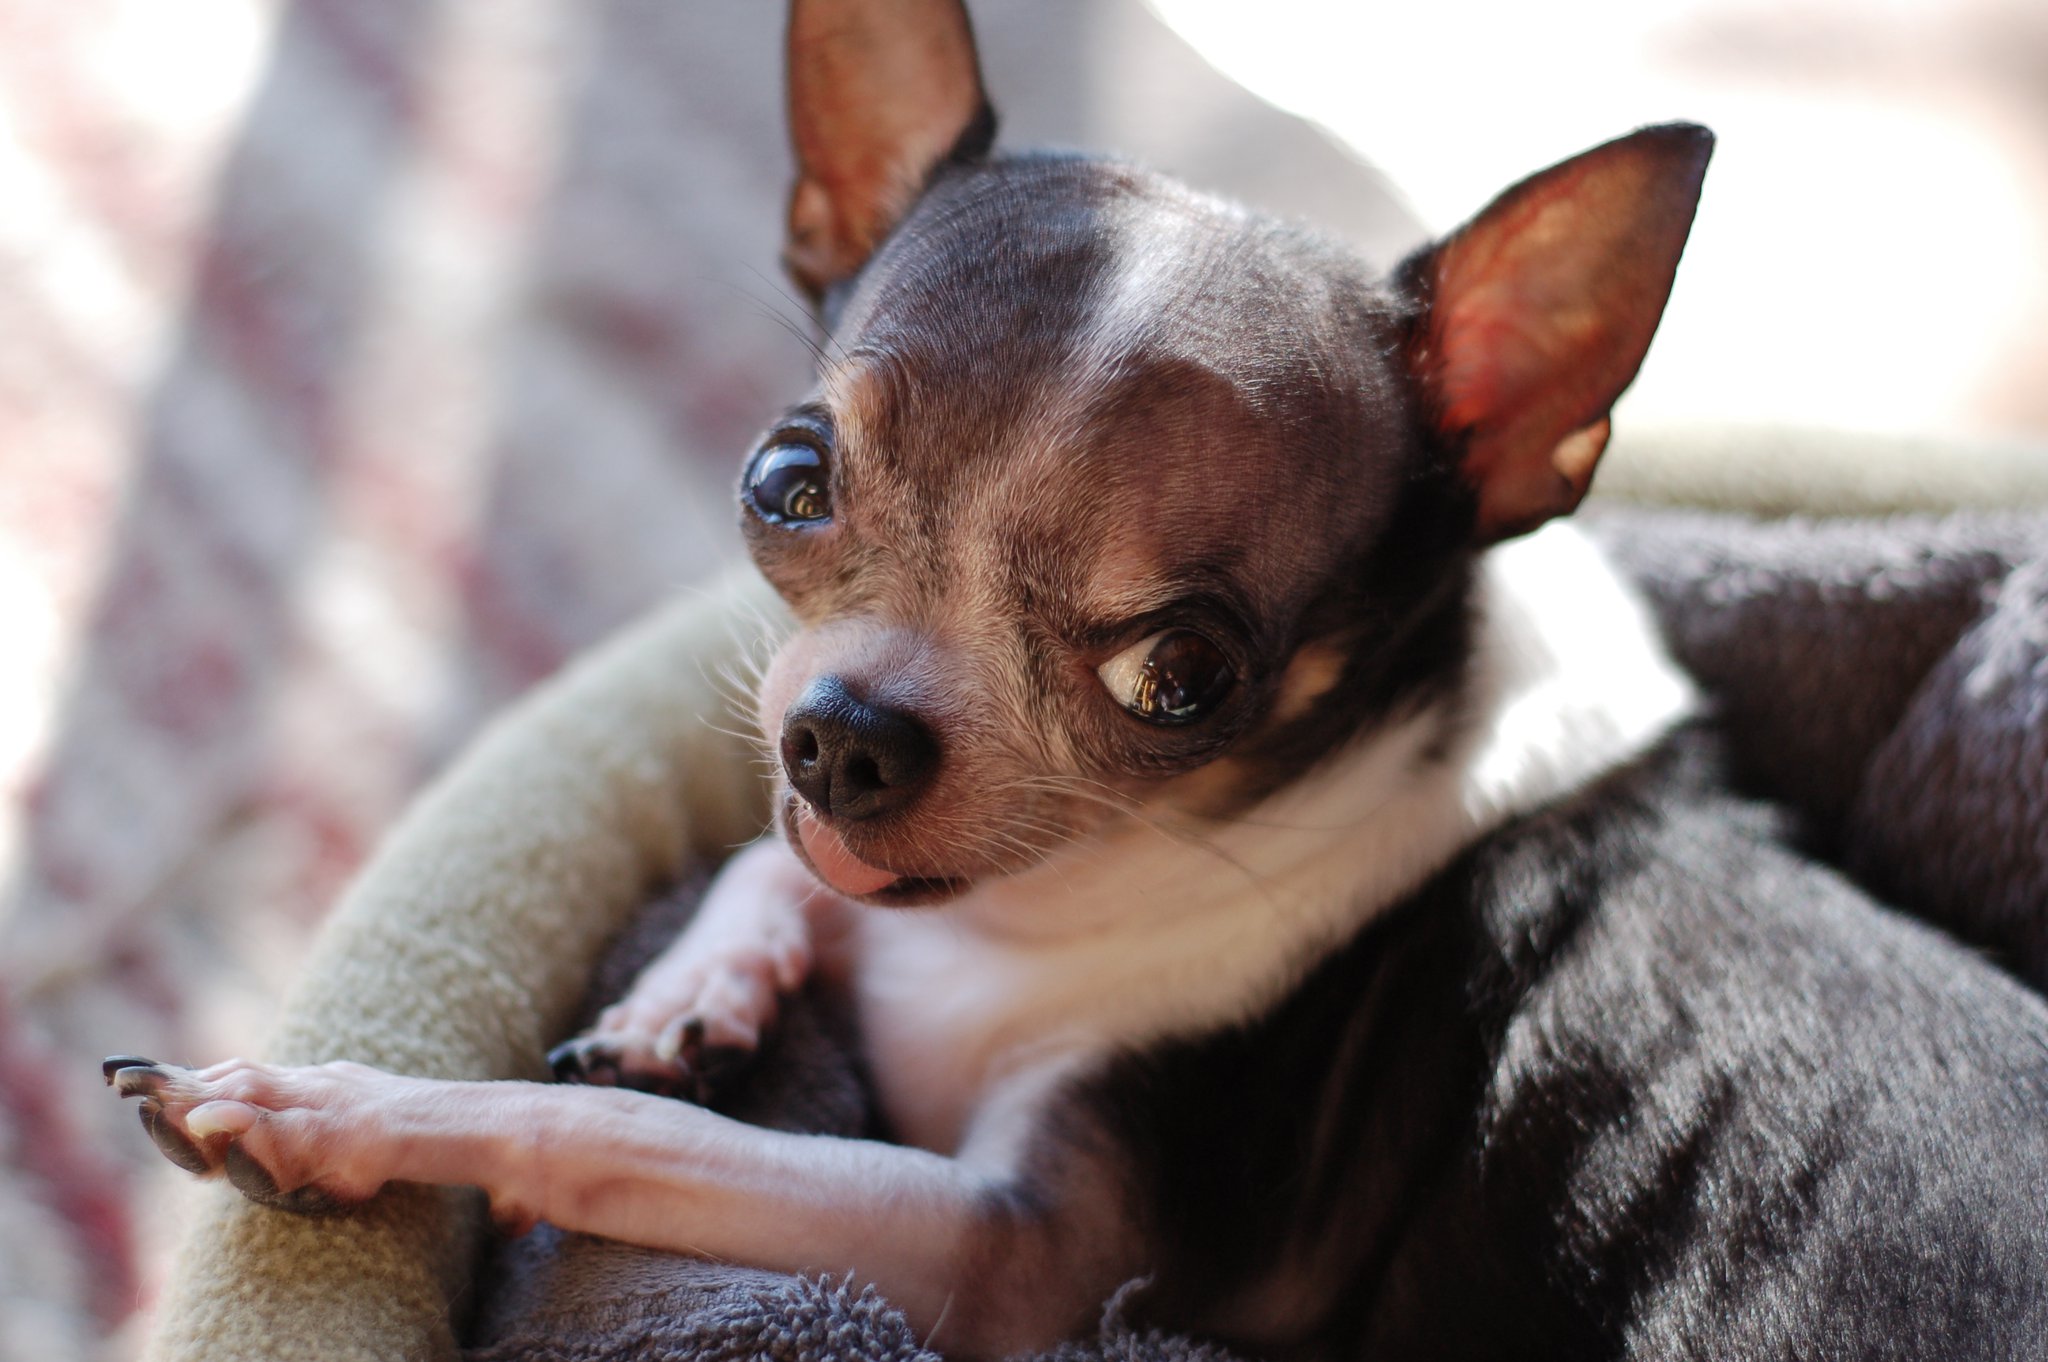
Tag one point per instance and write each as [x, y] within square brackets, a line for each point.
[1265, 862]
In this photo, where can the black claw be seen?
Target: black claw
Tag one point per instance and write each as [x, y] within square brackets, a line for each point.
[584, 1060]
[310, 1200]
[170, 1140]
[698, 1072]
[113, 1064]
[253, 1181]
[250, 1178]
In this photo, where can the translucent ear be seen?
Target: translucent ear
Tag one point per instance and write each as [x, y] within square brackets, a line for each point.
[880, 93]
[1537, 314]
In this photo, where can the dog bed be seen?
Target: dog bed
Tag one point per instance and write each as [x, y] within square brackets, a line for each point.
[1888, 678]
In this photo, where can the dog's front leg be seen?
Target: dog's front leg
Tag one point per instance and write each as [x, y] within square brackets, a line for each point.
[984, 1257]
[706, 1000]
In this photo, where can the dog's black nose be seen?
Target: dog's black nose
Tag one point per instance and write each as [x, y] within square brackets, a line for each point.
[850, 758]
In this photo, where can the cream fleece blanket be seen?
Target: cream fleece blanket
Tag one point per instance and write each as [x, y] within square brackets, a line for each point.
[466, 944]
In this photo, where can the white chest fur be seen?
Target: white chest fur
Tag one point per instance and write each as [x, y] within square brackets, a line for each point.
[970, 1011]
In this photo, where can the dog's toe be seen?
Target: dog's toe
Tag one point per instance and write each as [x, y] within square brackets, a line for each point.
[589, 1060]
[113, 1064]
[255, 1182]
[679, 1040]
[681, 1062]
[692, 1066]
[171, 1141]
[135, 1080]
[565, 1061]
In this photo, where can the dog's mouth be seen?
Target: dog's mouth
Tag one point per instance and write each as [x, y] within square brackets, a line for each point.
[822, 849]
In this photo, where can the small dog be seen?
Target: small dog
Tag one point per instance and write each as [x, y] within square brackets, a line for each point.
[1260, 863]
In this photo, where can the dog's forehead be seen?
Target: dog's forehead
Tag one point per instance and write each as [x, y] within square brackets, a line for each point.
[1078, 361]
[1040, 275]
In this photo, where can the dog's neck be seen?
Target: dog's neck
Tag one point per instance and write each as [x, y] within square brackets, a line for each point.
[1174, 928]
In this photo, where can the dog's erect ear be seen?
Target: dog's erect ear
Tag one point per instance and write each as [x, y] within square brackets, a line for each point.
[881, 92]
[1536, 315]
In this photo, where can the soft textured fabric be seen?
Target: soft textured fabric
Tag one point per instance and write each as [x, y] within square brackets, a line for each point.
[1889, 678]
[1813, 635]
[1975, 857]
[1841, 653]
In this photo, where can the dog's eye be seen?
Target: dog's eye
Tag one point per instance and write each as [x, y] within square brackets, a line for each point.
[785, 485]
[1174, 677]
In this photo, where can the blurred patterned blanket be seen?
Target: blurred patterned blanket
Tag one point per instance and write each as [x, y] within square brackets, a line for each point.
[330, 422]
[359, 361]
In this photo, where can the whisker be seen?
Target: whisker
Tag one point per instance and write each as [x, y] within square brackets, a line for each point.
[766, 307]
[1107, 797]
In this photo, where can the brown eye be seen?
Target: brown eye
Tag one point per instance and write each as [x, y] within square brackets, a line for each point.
[786, 485]
[1174, 677]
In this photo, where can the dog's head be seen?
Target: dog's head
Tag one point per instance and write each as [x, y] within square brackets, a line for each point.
[1114, 497]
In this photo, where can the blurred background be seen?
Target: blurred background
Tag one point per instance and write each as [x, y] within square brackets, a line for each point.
[360, 360]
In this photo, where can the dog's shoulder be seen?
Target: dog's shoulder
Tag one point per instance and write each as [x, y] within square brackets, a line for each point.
[1627, 1062]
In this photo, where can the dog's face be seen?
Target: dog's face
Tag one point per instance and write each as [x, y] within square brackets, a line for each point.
[1062, 502]
[1112, 497]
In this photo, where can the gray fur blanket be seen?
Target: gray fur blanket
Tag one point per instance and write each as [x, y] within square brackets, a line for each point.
[1888, 679]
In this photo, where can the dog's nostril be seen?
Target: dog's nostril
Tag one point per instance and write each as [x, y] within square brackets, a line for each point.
[865, 774]
[805, 747]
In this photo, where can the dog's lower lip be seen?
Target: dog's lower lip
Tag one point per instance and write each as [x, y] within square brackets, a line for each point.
[834, 863]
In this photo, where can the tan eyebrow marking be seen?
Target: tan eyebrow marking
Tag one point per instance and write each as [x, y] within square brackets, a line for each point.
[1315, 669]
[866, 389]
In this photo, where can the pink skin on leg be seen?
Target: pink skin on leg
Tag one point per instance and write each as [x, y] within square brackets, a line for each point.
[944, 1238]
[978, 1264]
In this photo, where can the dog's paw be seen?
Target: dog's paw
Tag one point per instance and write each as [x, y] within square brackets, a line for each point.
[690, 1024]
[680, 1064]
[278, 1135]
